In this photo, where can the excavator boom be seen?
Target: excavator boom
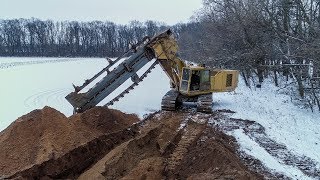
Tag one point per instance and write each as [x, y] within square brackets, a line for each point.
[143, 53]
[188, 82]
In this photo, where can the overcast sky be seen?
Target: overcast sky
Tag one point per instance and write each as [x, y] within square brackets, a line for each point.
[118, 11]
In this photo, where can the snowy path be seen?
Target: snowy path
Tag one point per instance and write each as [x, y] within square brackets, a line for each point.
[270, 128]
[255, 142]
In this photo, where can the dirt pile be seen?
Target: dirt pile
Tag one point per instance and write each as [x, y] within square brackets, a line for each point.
[104, 120]
[173, 146]
[140, 157]
[46, 134]
[108, 144]
[213, 157]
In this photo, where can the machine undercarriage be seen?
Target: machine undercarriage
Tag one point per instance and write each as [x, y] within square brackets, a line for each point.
[174, 100]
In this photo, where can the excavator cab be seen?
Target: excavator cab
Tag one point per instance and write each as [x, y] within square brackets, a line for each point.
[195, 80]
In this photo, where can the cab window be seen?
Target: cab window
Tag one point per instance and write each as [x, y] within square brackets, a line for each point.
[185, 80]
[195, 80]
[205, 80]
[205, 76]
[185, 75]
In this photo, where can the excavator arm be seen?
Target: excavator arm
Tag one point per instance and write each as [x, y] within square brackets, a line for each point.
[162, 47]
[166, 51]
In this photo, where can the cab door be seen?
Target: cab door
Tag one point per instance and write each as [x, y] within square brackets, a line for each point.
[184, 85]
[205, 80]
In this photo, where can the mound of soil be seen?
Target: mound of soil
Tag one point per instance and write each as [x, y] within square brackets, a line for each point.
[173, 146]
[47, 134]
[107, 144]
[140, 157]
[214, 157]
[104, 120]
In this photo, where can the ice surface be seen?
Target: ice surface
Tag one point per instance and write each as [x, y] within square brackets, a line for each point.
[33, 86]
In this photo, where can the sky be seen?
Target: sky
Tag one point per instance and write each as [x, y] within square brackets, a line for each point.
[118, 11]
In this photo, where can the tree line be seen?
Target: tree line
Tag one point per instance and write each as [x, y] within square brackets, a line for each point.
[34, 37]
[262, 38]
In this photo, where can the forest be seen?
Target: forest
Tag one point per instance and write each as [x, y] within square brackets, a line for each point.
[34, 37]
[278, 39]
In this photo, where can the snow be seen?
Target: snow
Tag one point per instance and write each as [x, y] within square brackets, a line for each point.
[296, 128]
[252, 148]
[286, 123]
[33, 85]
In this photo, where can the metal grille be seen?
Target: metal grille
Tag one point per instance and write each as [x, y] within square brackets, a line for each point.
[229, 80]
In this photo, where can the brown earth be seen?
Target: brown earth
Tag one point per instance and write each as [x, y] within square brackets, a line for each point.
[106, 144]
[47, 134]
[167, 150]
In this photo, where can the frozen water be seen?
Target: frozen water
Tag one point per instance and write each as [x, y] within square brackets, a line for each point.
[35, 85]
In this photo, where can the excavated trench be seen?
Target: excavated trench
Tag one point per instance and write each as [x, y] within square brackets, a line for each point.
[108, 144]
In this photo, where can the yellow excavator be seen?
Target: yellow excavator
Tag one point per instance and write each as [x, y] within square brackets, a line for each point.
[189, 83]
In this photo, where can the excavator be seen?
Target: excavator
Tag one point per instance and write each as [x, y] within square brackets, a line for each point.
[189, 83]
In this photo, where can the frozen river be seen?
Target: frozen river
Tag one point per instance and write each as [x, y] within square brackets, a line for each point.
[32, 83]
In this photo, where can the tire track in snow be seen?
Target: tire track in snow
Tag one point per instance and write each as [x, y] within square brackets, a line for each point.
[46, 97]
[256, 132]
[33, 62]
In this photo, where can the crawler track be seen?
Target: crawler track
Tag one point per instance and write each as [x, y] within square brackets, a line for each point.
[192, 131]
[169, 100]
[204, 103]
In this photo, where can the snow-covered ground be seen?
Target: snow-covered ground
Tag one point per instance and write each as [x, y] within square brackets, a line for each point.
[39, 82]
[30, 85]
[285, 123]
